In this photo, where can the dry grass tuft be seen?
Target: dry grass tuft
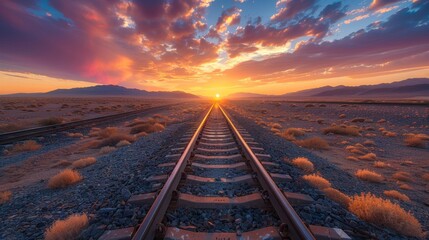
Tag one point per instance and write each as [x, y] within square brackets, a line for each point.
[369, 143]
[84, 162]
[389, 134]
[379, 164]
[337, 196]
[351, 158]
[147, 127]
[69, 228]
[26, 146]
[314, 143]
[368, 157]
[370, 176]
[5, 196]
[425, 177]
[355, 120]
[404, 186]
[107, 149]
[317, 181]
[303, 163]
[291, 133]
[123, 143]
[114, 139]
[342, 130]
[61, 164]
[65, 178]
[415, 141]
[397, 195]
[402, 176]
[342, 115]
[385, 213]
[75, 135]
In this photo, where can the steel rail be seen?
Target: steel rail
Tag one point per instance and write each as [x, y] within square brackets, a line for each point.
[10, 137]
[149, 225]
[295, 228]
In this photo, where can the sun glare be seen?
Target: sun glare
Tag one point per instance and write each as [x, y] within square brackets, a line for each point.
[217, 95]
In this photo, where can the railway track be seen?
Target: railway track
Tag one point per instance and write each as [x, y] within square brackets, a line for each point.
[218, 182]
[11, 137]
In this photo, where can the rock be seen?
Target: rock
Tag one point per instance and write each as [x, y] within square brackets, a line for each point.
[125, 193]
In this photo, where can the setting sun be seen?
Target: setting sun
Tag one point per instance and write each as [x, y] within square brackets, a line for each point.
[217, 95]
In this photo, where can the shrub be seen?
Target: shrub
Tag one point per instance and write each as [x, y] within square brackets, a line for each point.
[397, 195]
[414, 141]
[385, 213]
[29, 145]
[358, 120]
[9, 127]
[5, 196]
[75, 135]
[51, 121]
[123, 143]
[379, 164]
[317, 181]
[405, 186]
[337, 196]
[303, 163]
[368, 157]
[342, 115]
[84, 162]
[402, 176]
[69, 228]
[314, 143]
[342, 130]
[370, 176]
[352, 158]
[425, 177]
[389, 134]
[107, 149]
[62, 163]
[147, 128]
[369, 143]
[291, 133]
[65, 178]
[115, 138]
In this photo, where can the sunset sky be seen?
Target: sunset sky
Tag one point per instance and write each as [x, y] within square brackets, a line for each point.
[211, 46]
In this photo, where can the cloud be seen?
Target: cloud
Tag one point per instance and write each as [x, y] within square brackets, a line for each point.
[290, 8]
[377, 4]
[398, 44]
[355, 19]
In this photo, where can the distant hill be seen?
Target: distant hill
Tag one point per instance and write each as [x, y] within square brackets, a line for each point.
[112, 90]
[246, 95]
[414, 87]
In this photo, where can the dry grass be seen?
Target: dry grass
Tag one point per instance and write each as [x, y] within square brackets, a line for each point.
[62, 164]
[65, 178]
[115, 138]
[69, 228]
[355, 120]
[397, 195]
[402, 176]
[147, 127]
[368, 157]
[314, 143]
[342, 115]
[5, 196]
[123, 143]
[291, 133]
[369, 143]
[342, 130]
[389, 134]
[337, 196]
[415, 141]
[351, 158]
[379, 164]
[425, 177]
[317, 181]
[107, 149]
[404, 186]
[303, 163]
[9, 127]
[84, 162]
[386, 214]
[75, 135]
[51, 121]
[26, 146]
[370, 176]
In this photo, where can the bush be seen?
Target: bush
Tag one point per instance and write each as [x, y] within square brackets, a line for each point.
[337, 196]
[5, 196]
[65, 178]
[342, 130]
[51, 121]
[425, 177]
[368, 157]
[402, 176]
[84, 162]
[351, 158]
[317, 181]
[379, 164]
[69, 228]
[303, 163]
[370, 176]
[147, 127]
[385, 213]
[123, 143]
[291, 133]
[414, 141]
[397, 195]
[107, 149]
[314, 143]
[26, 146]
[115, 138]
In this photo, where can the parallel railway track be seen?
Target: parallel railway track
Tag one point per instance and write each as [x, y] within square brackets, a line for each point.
[14, 136]
[219, 154]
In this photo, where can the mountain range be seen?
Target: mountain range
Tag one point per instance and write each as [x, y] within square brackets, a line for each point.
[413, 87]
[111, 90]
